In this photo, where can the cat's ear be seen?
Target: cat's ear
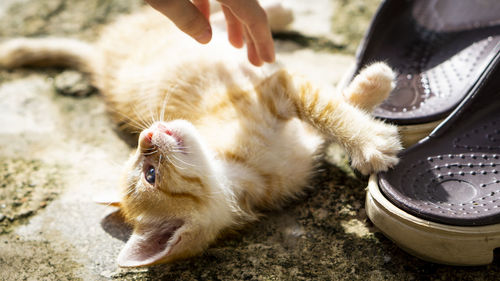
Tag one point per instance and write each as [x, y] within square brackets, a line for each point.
[150, 244]
[108, 197]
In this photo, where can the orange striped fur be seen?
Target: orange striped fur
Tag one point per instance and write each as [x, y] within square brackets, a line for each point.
[218, 138]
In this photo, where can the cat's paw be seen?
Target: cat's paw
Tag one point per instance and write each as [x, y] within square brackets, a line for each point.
[378, 150]
[371, 86]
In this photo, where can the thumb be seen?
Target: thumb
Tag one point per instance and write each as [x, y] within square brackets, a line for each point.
[186, 17]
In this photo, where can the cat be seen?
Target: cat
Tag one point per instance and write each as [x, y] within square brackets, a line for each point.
[218, 139]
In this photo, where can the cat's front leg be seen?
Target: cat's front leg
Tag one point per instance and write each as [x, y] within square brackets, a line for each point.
[376, 148]
[371, 144]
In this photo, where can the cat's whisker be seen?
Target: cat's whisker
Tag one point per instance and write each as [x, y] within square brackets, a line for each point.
[182, 161]
[151, 114]
[176, 165]
[150, 153]
[130, 121]
[183, 149]
[109, 204]
[159, 168]
[140, 117]
[129, 192]
[148, 123]
[156, 114]
[163, 107]
[135, 132]
[167, 159]
[143, 124]
[165, 101]
[180, 151]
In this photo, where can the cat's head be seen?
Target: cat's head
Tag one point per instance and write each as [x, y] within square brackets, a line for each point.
[173, 196]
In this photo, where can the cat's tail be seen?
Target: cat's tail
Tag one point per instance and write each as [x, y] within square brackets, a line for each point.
[42, 52]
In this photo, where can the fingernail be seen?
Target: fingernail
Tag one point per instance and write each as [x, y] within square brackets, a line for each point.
[269, 56]
[204, 37]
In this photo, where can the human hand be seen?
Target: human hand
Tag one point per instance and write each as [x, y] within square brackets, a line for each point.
[246, 23]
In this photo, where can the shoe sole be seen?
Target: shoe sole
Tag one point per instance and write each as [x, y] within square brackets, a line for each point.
[430, 241]
[440, 49]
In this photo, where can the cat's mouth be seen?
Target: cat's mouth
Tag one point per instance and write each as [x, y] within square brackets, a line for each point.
[177, 138]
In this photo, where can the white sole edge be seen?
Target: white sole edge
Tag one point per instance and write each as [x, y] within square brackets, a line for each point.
[411, 134]
[430, 241]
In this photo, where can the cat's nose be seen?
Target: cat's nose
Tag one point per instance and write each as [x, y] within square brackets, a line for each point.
[145, 140]
[148, 137]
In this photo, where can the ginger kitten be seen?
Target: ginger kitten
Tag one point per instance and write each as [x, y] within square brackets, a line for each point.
[219, 139]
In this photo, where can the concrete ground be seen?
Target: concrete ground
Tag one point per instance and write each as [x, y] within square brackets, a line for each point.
[58, 151]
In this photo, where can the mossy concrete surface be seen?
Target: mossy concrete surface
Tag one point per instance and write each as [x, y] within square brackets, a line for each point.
[59, 149]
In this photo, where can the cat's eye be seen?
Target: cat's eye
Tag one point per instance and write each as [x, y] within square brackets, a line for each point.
[150, 175]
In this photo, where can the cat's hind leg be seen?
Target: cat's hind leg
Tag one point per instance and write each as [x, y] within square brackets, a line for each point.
[372, 144]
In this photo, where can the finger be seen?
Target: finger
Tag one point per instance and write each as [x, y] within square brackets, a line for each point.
[262, 39]
[263, 46]
[254, 18]
[203, 6]
[234, 28]
[252, 53]
[186, 17]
